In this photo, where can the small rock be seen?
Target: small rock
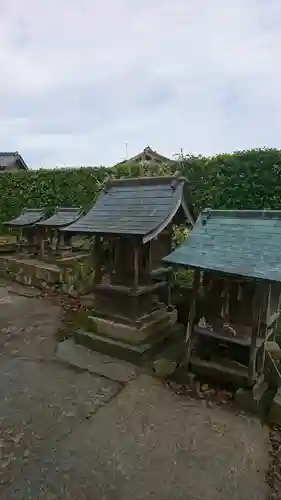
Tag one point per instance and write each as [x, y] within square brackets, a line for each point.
[164, 367]
[204, 387]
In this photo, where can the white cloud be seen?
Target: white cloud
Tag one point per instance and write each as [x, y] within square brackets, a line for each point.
[81, 78]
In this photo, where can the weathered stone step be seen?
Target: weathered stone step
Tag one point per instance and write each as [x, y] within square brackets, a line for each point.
[94, 362]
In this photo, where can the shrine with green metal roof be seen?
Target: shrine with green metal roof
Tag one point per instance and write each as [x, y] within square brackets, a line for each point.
[235, 255]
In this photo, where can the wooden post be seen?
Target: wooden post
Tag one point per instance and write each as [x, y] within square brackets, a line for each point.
[97, 259]
[255, 333]
[136, 278]
[136, 265]
[192, 311]
[169, 285]
[58, 241]
[42, 246]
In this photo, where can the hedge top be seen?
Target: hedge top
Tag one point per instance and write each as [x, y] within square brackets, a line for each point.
[246, 179]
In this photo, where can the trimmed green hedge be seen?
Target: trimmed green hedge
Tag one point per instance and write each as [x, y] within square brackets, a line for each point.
[244, 179]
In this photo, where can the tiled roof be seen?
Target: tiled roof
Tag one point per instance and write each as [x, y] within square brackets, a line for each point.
[12, 158]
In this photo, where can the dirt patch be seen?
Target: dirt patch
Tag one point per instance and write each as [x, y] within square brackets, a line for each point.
[274, 472]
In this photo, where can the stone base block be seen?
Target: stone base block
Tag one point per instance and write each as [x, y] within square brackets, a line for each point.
[252, 400]
[134, 353]
[134, 334]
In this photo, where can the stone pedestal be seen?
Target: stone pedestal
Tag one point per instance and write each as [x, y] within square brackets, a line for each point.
[132, 342]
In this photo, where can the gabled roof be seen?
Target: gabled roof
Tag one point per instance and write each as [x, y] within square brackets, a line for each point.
[62, 217]
[141, 206]
[148, 154]
[29, 217]
[12, 158]
[245, 243]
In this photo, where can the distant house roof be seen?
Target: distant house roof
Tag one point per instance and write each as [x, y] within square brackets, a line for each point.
[29, 217]
[245, 243]
[141, 206]
[62, 217]
[148, 155]
[8, 160]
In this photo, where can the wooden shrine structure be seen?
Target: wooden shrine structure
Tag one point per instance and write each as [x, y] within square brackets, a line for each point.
[236, 289]
[132, 223]
[28, 235]
[43, 256]
[54, 241]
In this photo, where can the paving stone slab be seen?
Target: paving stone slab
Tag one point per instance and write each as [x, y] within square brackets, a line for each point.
[149, 444]
[86, 359]
[41, 403]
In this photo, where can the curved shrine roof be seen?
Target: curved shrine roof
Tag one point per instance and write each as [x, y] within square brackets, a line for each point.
[137, 206]
[29, 217]
[62, 217]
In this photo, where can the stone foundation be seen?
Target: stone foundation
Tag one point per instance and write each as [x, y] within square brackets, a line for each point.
[134, 343]
[69, 274]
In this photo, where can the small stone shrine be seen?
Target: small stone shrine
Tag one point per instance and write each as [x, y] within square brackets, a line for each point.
[132, 224]
[235, 255]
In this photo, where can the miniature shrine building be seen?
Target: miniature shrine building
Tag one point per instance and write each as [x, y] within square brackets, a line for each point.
[133, 225]
[61, 218]
[29, 237]
[235, 255]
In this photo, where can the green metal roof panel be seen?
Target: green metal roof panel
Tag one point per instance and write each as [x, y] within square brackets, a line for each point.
[246, 243]
[138, 206]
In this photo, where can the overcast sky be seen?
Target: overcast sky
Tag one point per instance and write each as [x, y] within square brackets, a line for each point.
[80, 78]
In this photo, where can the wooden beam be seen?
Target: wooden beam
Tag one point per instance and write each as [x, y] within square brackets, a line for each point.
[192, 312]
